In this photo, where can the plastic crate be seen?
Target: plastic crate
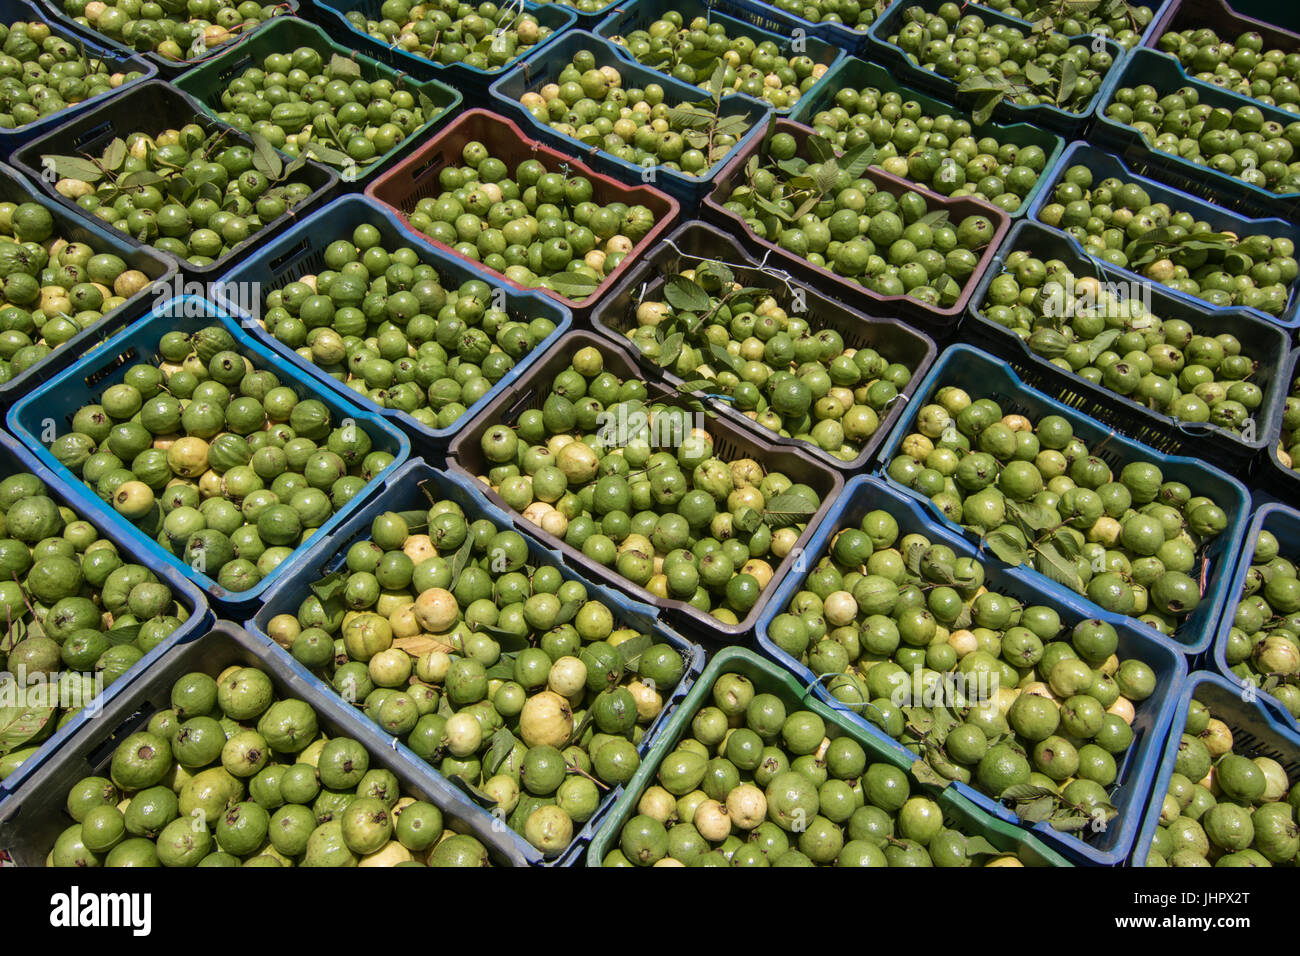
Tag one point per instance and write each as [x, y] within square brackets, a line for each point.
[15, 189]
[1048, 116]
[767, 678]
[207, 83]
[12, 463]
[1276, 477]
[118, 61]
[1259, 728]
[1264, 341]
[986, 377]
[52, 12]
[157, 106]
[585, 21]
[694, 242]
[768, 16]
[639, 14]
[1221, 218]
[403, 491]
[537, 72]
[938, 321]
[857, 74]
[301, 250]
[35, 816]
[59, 399]
[1284, 523]
[730, 441]
[1145, 66]
[417, 176]
[1228, 23]
[469, 80]
[1138, 764]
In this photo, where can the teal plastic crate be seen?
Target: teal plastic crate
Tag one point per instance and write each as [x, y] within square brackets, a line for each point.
[984, 376]
[640, 14]
[403, 491]
[208, 82]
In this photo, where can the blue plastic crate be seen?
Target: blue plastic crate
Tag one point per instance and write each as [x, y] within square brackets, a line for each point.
[117, 60]
[13, 462]
[1135, 770]
[585, 21]
[983, 376]
[1048, 116]
[1284, 524]
[538, 71]
[1259, 728]
[52, 12]
[403, 491]
[858, 74]
[159, 268]
[470, 81]
[639, 14]
[1284, 482]
[1166, 74]
[35, 817]
[1262, 340]
[59, 399]
[1215, 211]
[301, 250]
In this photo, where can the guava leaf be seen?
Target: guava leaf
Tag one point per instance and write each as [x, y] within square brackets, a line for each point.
[509, 640]
[983, 84]
[1026, 792]
[1069, 821]
[1065, 543]
[459, 560]
[343, 67]
[572, 285]
[735, 125]
[420, 644]
[115, 154]
[985, 104]
[791, 507]
[746, 521]
[330, 586]
[503, 669]
[20, 724]
[1035, 811]
[1051, 564]
[689, 117]
[820, 149]
[265, 159]
[696, 385]
[503, 741]
[568, 611]
[1006, 548]
[1032, 516]
[632, 649]
[924, 773]
[329, 156]
[581, 726]
[74, 167]
[919, 719]
[793, 167]
[1101, 343]
[1069, 80]
[855, 161]
[683, 293]
[723, 357]
[978, 846]
[1037, 75]
[123, 635]
[141, 177]
[934, 219]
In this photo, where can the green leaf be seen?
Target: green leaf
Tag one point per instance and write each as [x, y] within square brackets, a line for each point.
[746, 521]
[1101, 343]
[1032, 516]
[828, 175]
[115, 154]
[331, 586]
[344, 68]
[985, 104]
[983, 84]
[723, 357]
[857, 160]
[581, 726]
[1007, 548]
[503, 669]
[1025, 792]
[737, 125]
[330, 156]
[1037, 75]
[265, 159]
[74, 167]
[141, 177]
[820, 149]
[459, 560]
[568, 611]
[793, 167]
[1053, 565]
[20, 724]
[632, 649]
[935, 219]
[684, 294]
[123, 635]
[689, 117]
[1035, 811]
[718, 81]
[671, 349]
[978, 846]
[1069, 80]
[503, 741]
[572, 285]
[924, 773]
[791, 507]
[509, 640]
[1067, 820]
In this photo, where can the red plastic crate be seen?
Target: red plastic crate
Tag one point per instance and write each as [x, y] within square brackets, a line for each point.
[417, 177]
